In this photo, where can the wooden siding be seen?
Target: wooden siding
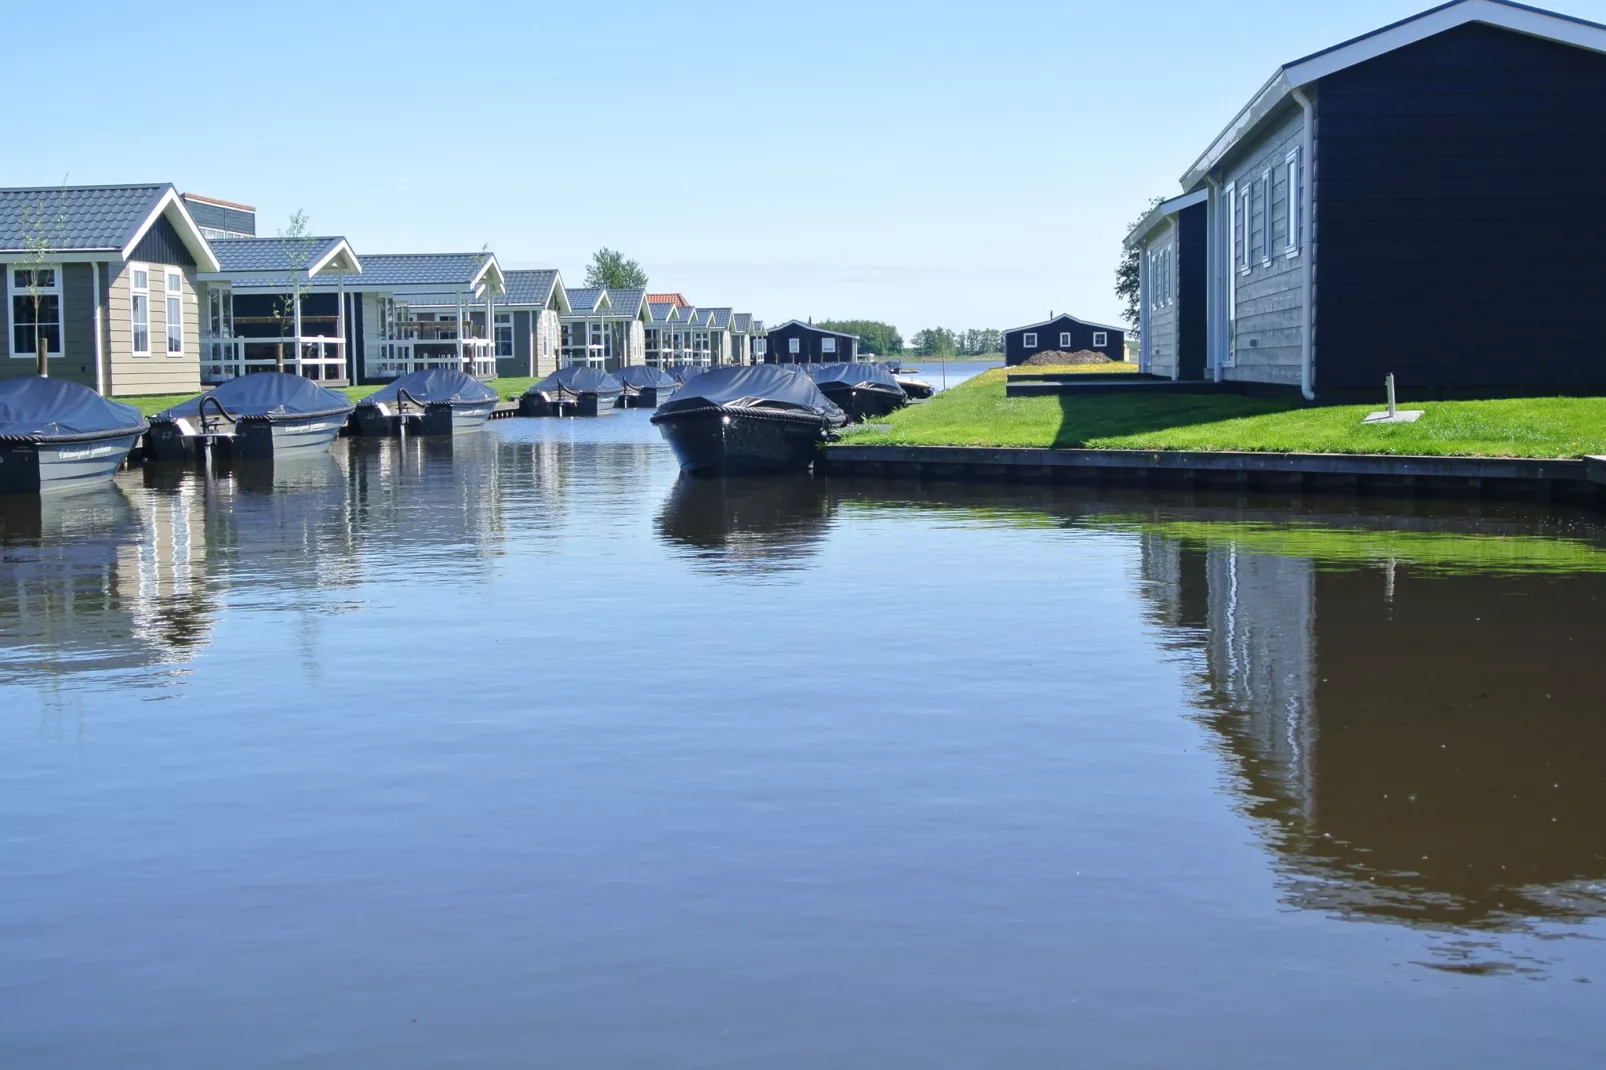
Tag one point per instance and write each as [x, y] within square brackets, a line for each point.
[162, 245]
[1268, 313]
[1451, 252]
[810, 349]
[519, 363]
[1162, 314]
[1048, 337]
[77, 360]
[131, 376]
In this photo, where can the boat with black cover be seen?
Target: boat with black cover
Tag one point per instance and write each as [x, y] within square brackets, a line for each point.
[57, 435]
[742, 420]
[262, 416]
[862, 389]
[573, 391]
[436, 401]
[645, 387]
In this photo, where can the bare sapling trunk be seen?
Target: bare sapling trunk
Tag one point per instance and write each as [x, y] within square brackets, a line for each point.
[41, 343]
[278, 360]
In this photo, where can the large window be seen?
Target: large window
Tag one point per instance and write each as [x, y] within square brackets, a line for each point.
[175, 314]
[32, 317]
[504, 334]
[139, 309]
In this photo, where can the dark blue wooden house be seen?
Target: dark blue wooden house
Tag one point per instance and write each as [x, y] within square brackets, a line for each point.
[794, 342]
[1064, 334]
[1403, 202]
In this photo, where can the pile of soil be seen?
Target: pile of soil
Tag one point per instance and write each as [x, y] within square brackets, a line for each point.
[1056, 356]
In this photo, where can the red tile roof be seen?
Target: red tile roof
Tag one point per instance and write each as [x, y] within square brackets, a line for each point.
[678, 300]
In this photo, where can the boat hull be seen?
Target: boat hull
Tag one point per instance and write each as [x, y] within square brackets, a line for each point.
[251, 440]
[727, 440]
[587, 404]
[647, 397]
[915, 389]
[44, 467]
[863, 402]
[437, 419]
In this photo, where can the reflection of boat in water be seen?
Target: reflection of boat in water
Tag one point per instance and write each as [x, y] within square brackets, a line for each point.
[861, 389]
[1424, 747]
[263, 416]
[772, 519]
[743, 420]
[573, 391]
[57, 435]
[436, 401]
[645, 387]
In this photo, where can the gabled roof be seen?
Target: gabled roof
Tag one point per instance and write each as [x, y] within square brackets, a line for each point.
[678, 300]
[323, 255]
[1502, 14]
[812, 327]
[98, 219]
[534, 288]
[662, 311]
[719, 318]
[1162, 212]
[1066, 316]
[631, 303]
[742, 322]
[586, 298]
[430, 269]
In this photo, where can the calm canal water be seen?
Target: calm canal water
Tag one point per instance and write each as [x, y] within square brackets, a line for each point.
[517, 752]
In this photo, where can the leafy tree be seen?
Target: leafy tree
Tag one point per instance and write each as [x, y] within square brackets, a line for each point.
[298, 246]
[613, 270]
[875, 337]
[41, 233]
[935, 342]
[1127, 275]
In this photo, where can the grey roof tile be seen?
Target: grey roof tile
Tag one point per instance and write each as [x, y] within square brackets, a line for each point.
[96, 217]
[627, 302]
[525, 287]
[719, 318]
[585, 298]
[742, 321]
[662, 313]
[420, 269]
[266, 254]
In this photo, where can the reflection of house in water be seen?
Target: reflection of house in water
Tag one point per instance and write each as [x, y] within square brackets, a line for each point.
[1426, 747]
[162, 577]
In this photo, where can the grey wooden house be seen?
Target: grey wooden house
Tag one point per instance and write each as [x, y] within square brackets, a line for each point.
[1395, 204]
[528, 323]
[107, 275]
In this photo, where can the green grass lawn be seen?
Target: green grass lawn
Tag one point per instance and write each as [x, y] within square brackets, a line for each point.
[977, 413]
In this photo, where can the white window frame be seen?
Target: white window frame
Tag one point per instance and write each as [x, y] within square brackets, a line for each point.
[1101, 339]
[1029, 340]
[828, 345]
[170, 294]
[1247, 210]
[136, 291]
[13, 291]
[794, 346]
[1266, 237]
[1065, 339]
[1295, 204]
[502, 321]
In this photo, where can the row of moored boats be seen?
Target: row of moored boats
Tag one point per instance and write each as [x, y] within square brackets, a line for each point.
[733, 420]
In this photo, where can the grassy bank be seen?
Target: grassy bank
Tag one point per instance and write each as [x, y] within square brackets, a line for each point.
[978, 414]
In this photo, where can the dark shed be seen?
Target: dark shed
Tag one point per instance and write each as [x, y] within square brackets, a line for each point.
[1066, 334]
[803, 343]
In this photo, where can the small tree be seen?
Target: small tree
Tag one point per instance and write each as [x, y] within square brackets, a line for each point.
[614, 271]
[935, 342]
[41, 236]
[1128, 276]
[298, 246]
[875, 337]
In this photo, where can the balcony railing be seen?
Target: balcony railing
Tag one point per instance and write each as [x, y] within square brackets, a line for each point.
[389, 359]
[315, 357]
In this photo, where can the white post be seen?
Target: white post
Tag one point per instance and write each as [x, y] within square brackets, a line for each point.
[460, 332]
[340, 328]
[100, 364]
[296, 296]
[490, 323]
[1394, 410]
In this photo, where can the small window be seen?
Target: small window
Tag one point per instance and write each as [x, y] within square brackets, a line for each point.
[31, 317]
[794, 345]
[140, 310]
[1029, 340]
[1294, 199]
[1246, 210]
[828, 345]
[504, 334]
[1065, 339]
[1265, 218]
[1101, 339]
[175, 314]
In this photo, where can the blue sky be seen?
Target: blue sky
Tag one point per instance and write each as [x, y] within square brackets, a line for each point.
[969, 165]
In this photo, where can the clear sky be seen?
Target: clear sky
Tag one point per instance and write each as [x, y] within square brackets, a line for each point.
[966, 165]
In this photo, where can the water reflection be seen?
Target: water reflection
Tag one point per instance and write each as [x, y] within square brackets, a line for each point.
[761, 526]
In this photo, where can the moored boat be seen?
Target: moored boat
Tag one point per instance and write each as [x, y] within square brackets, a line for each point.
[573, 391]
[57, 435]
[436, 401]
[914, 387]
[645, 387]
[860, 389]
[743, 420]
[263, 416]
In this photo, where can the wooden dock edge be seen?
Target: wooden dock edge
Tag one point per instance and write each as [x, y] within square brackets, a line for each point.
[1355, 474]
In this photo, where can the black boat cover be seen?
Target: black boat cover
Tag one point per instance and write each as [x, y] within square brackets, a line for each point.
[433, 384]
[577, 379]
[268, 396]
[857, 374]
[55, 410]
[644, 376]
[758, 386]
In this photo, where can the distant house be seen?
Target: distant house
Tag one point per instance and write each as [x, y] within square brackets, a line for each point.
[1065, 334]
[658, 339]
[676, 300]
[605, 328]
[1396, 204]
[742, 338]
[529, 331]
[803, 343]
[107, 275]
[221, 219]
[721, 341]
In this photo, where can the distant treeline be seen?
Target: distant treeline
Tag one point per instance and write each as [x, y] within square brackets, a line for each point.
[883, 339]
